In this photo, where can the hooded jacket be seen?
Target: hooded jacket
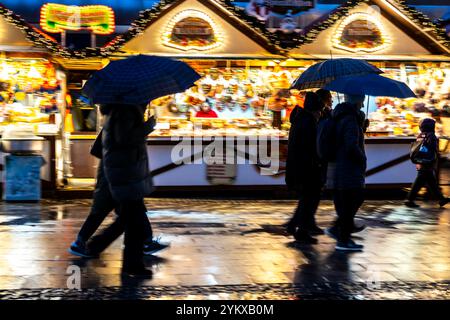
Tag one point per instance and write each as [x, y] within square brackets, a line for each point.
[427, 128]
[348, 171]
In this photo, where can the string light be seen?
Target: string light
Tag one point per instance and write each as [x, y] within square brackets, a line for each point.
[385, 40]
[217, 36]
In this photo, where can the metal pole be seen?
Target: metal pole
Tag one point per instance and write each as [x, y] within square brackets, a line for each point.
[93, 40]
[63, 38]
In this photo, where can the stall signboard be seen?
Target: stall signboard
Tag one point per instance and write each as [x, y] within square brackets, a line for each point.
[56, 18]
[192, 30]
[361, 32]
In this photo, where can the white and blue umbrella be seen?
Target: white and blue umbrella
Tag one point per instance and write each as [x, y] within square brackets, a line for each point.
[322, 73]
[371, 85]
[139, 79]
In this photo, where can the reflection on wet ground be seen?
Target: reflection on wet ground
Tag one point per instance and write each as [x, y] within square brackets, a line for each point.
[230, 249]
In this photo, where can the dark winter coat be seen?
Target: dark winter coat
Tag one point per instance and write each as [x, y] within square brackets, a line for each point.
[427, 129]
[348, 171]
[326, 114]
[125, 159]
[302, 164]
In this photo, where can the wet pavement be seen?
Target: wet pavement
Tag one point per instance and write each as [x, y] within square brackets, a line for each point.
[230, 249]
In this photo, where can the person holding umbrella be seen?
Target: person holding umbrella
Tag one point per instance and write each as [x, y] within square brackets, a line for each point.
[125, 163]
[303, 173]
[103, 203]
[347, 171]
[123, 89]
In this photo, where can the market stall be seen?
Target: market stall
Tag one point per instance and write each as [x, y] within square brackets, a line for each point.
[31, 96]
[240, 108]
[407, 47]
[245, 81]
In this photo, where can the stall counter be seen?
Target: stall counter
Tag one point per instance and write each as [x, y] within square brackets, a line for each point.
[182, 161]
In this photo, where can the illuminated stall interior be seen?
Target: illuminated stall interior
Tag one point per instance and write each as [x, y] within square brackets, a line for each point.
[385, 34]
[32, 92]
[247, 67]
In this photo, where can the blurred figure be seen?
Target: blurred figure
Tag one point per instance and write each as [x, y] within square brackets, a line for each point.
[327, 100]
[347, 171]
[126, 171]
[303, 173]
[206, 112]
[102, 205]
[425, 154]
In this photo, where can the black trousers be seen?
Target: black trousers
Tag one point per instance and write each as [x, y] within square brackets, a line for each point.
[304, 215]
[133, 215]
[426, 178]
[103, 203]
[347, 203]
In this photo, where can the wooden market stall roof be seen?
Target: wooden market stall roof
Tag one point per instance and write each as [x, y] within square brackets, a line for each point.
[245, 27]
[19, 36]
[412, 22]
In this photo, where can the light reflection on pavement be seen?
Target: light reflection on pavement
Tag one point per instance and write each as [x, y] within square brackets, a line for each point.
[230, 249]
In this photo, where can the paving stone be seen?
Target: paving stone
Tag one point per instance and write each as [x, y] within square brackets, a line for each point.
[230, 249]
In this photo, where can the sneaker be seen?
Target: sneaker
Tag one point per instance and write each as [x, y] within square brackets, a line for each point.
[411, 204]
[304, 238]
[349, 245]
[78, 248]
[443, 202]
[154, 246]
[332, 232]
[357, 229]
[315, 231]
[290, 228]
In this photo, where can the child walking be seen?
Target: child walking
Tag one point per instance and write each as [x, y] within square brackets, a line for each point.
[425, 154]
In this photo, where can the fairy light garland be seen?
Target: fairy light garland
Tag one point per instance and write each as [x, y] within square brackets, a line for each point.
[218, 34]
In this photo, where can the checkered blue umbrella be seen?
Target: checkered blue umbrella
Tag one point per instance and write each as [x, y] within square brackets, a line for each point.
[371, 84]
[138, 80]
[320, 74]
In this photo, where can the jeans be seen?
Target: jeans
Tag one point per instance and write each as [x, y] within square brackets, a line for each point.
[347, 203]
[304, 215]
[425, 178]
[103, 204]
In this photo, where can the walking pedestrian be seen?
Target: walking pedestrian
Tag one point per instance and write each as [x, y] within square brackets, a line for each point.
[126, 171]
[103, 203]
[425, 155]
[347, 172]
[327, 99]
[303, 174]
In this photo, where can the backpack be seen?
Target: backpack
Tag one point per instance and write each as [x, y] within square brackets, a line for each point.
[421, 153]
[326, 142]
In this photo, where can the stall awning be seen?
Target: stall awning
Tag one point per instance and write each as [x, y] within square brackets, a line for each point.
[210, 56]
